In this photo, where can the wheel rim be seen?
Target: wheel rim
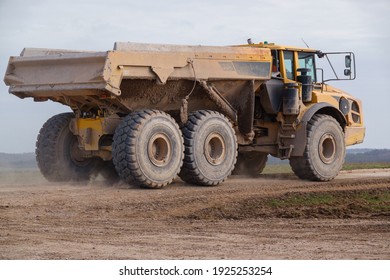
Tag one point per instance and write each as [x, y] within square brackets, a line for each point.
[215, 149]
[327, 148]
[159, 149]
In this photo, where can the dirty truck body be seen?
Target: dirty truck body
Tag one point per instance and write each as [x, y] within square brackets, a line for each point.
[147, 113]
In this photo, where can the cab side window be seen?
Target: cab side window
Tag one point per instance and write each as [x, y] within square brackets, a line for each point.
[289, 64]
[275, 63]
[306, 60]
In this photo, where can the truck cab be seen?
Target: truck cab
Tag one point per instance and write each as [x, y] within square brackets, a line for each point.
[300, 117]
[290, 63]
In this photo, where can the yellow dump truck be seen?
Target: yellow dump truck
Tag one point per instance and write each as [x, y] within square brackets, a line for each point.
[146, 113]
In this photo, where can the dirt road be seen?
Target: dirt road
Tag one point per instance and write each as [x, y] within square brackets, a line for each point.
[269, 217]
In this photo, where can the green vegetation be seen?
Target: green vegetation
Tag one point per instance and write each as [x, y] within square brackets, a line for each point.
[302, 200]
[366, 165]
[376, 201]
[371, 200]
[367, 204]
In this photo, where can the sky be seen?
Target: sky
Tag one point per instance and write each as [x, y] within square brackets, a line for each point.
[333, 25]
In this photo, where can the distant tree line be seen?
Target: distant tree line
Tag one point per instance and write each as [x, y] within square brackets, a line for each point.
[377, 155]
[16, 161]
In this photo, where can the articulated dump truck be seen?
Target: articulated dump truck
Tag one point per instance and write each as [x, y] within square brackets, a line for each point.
[146, 114]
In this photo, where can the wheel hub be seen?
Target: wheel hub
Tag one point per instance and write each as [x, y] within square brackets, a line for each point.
[214, 149]
[327, 148]
[159, 149]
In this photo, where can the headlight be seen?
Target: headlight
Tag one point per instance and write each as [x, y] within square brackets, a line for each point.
[344, 105]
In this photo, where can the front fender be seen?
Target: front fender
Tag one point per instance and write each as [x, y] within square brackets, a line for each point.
[300, 140]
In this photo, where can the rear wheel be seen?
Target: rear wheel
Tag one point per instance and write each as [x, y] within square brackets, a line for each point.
[250, 163]
[210, 148]
[148, 149]
[58, 155]
[325, 150]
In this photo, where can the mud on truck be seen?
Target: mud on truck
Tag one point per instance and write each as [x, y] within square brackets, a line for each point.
[147, 113]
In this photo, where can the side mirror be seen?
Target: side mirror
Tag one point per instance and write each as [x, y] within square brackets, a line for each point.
[348, 61]
[347, 72]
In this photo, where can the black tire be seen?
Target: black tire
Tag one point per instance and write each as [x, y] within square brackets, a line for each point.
[325, 150]
[210, 148]
[250, 163]
[148, 149]
[58, 156]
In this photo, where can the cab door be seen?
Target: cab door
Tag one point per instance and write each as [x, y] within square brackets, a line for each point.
[293, 61]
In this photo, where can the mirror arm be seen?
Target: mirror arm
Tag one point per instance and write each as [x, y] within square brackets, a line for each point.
[330, 63]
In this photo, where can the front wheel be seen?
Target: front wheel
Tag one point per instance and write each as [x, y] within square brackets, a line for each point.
[325, 150]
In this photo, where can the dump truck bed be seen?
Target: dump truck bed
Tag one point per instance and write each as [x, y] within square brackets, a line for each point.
[131, 75]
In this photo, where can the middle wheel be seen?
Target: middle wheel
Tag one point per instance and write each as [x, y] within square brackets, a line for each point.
[210, 148]
[148, 149]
